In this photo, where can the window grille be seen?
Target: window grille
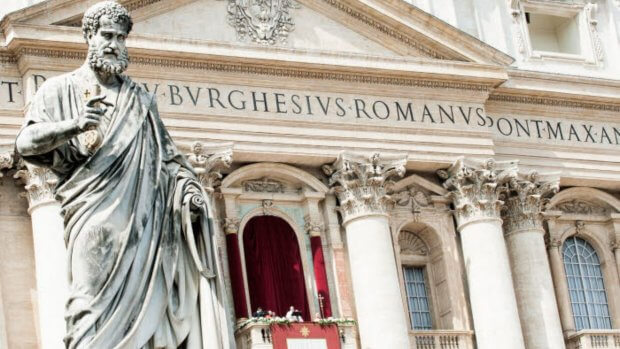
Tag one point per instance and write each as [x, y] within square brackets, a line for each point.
[585, 285]
[417, 298]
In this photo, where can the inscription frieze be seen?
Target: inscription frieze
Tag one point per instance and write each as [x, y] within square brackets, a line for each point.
[297, 105]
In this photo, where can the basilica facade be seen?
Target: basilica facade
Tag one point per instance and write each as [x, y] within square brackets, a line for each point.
[420, 174]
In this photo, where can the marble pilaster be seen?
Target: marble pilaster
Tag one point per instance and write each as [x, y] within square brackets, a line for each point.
[475, 190]
[361, 185]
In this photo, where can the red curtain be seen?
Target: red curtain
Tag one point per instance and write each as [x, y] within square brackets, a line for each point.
[320, 274]
[236, 275]
[273, 265]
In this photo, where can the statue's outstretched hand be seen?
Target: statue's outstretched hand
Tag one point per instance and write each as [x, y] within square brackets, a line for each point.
[92, 114]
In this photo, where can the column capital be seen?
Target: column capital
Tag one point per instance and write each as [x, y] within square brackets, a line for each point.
[362, 183]
[525, 198]
[208, 163]
[39, 182]
[7, 161]
[475, 188]
[231, 225]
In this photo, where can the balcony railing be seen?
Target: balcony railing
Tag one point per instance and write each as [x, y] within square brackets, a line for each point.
[441, 339]
[258, 336]
[594, 339]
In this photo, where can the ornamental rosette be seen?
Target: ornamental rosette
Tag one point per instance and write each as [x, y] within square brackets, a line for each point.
[362, 184]
[526, 196]
[475, 188]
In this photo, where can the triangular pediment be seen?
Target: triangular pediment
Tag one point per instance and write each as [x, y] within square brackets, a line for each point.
[366, 27]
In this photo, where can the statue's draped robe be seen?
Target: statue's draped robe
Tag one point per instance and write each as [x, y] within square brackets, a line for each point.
[134, 255]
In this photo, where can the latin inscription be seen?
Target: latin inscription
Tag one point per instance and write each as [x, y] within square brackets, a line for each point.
[248, 102]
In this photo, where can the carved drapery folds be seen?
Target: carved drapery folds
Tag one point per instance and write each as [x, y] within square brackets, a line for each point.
[525, 198]
[208, 164]
[39, 183]
[262, 21]
[362, 184]
[475, 189]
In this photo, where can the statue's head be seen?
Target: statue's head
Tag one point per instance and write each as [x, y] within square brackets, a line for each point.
[105, 26]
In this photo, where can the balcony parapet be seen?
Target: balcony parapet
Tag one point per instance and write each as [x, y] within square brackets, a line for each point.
[256, 333]
[441, 339]
[594, 339]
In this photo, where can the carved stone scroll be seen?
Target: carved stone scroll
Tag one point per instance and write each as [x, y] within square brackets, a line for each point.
[526, 196]
[262, 21]
[362, 184]
[208, 164]
[578, 206]
[475, 188]
[264, 185]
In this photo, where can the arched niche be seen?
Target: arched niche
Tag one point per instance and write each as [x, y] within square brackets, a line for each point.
[282, 191]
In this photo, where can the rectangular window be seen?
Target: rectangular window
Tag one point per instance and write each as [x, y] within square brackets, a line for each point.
[417, 298]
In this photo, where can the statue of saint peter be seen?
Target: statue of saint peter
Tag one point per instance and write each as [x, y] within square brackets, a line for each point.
[139, 243]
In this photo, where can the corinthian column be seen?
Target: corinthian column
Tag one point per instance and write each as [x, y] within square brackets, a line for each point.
[531, 274]
[360, 185]
[49, 252]
[475, 190]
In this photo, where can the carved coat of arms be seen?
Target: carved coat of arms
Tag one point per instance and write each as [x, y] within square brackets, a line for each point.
[262, 21]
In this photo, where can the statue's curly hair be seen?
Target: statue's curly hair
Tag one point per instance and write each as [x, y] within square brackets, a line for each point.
[119, 14]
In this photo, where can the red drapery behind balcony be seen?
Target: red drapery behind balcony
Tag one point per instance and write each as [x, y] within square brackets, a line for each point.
[273, 265]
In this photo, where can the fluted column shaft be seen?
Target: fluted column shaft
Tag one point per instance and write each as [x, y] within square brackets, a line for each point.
[531, 274]
[359, 184]
[475, 193]
[50, 255]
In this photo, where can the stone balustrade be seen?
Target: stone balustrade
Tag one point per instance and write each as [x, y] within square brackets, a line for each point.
[441, 339]
[258, 336]
[594, 339]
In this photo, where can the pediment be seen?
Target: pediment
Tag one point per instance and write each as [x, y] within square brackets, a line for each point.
[369, 27]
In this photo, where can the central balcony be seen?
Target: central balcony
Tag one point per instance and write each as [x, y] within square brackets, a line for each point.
[594, 339]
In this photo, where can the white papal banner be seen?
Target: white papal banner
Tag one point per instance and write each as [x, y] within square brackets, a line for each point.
[306, 343]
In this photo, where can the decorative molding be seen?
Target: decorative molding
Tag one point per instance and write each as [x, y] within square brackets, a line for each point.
[362, 183]
[412, 197]
[525, 200]
[265, 22]
[6, 58]
[231, 225]
[580, 227]
[578, 206]
[475, 189]
[209, 164]
[555, 102]
[264, 185]
[590, 10]
[267, 206]
[391, 32]
[267, 70]
[411, 244]
[313, 226]
[40, 184]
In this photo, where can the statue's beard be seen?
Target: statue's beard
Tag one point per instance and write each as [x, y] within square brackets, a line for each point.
[98, 62]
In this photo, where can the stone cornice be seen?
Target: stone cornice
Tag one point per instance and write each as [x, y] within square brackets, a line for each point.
[568, 102]
[362, 183]
[525, 197]
[475, 188]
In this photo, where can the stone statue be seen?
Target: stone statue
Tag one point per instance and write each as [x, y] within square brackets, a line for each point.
[139, 240]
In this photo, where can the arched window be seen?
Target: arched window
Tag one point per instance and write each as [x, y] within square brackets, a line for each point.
[585, 285]
[414, 259]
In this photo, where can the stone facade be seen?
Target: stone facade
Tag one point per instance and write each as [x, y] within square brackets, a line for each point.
[447, 135]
